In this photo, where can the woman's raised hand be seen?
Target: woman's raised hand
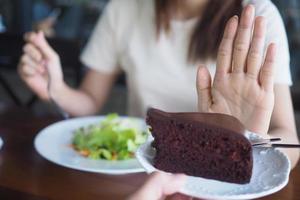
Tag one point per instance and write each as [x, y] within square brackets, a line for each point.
[38, 63]
[243, 83]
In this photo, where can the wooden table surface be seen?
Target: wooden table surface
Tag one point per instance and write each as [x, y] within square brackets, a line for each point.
[25, 175]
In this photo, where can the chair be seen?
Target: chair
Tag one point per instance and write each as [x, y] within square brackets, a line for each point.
[10, 52]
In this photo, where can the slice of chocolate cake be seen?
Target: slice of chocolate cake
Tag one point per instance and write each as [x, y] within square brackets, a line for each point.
[201, 144]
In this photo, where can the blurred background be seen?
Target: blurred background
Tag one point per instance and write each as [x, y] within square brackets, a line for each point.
[68, 24]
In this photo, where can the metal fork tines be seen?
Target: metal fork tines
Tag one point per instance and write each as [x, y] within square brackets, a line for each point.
[265, 141]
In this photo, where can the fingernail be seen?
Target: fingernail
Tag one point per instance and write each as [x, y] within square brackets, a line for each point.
[235, 17]
[250, 10]
[234, 20]
[274, 47]
[183, 177]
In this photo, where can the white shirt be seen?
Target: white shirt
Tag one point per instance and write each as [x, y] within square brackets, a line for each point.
[157, 71]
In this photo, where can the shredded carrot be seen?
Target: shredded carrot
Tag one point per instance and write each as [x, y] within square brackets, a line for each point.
[84, 152]
[114, 156]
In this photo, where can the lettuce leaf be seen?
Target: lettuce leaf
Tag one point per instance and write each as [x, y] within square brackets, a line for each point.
[114, 138]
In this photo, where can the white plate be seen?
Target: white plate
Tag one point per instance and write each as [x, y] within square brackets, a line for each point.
[1, 143]
[53, 143]
[271, 170]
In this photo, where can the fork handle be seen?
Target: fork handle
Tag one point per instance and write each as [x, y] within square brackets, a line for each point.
[286, 145]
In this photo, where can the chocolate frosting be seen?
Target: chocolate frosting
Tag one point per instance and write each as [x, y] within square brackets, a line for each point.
[215, 119]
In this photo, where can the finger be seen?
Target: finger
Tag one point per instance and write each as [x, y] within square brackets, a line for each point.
[33, 52]
[44, 46]
[242, 41]
[204, 89]
[179, 196]
[34, 58]
[160, 181]
[158, 186]
[39, 40]
[26, 70]
[255, 55]
[268, 68]
[28, 61]
[29, 36]
[225, 50]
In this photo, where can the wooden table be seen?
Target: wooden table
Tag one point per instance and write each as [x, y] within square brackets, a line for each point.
[24, 174]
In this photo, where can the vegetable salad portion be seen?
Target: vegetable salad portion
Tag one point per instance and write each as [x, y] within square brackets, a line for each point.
[114, 138]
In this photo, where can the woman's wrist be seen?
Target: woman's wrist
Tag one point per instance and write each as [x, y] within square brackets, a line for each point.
[57, 90]
[259, 127]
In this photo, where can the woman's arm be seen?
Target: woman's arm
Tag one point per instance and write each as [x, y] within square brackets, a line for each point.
[89, 98]
[244, 83]
[40, 68]
[283, 122]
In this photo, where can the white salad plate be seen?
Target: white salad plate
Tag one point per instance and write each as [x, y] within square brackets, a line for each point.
[271, 170]
[54, 144]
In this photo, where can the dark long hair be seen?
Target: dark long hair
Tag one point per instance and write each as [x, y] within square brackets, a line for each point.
[208, 31]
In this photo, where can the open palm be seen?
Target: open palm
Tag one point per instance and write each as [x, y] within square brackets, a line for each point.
[243, 83]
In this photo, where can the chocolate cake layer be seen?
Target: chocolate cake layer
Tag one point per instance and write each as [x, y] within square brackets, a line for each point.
[201, 144]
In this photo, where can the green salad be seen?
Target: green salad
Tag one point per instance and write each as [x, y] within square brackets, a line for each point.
[114, 138]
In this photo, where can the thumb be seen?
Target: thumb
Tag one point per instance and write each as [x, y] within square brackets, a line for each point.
[41, 42]
[204, 89]
[159, 185]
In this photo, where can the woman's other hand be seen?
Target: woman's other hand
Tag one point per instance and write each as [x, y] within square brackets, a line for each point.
[243, 83]
[160, 186]
[39, 63]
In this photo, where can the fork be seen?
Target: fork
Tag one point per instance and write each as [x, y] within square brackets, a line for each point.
[280, 145]
[265, 141]
[269, 143]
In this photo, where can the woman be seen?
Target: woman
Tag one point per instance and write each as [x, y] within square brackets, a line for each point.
[159, 45]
